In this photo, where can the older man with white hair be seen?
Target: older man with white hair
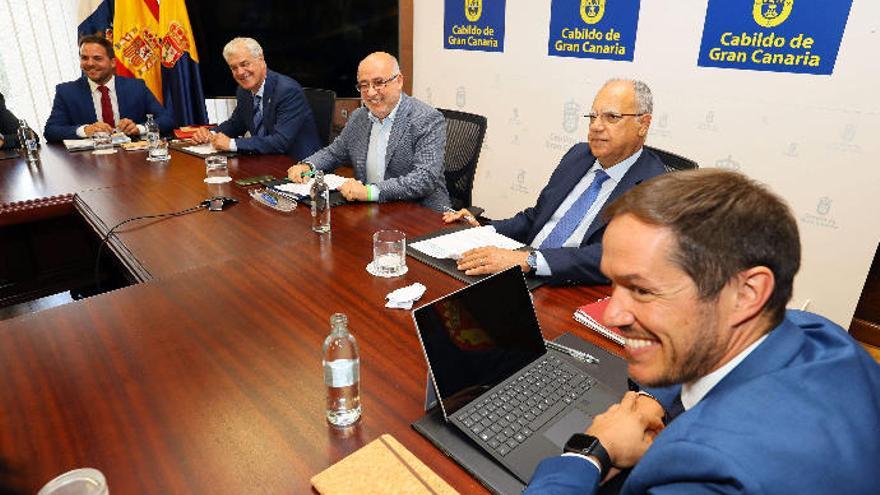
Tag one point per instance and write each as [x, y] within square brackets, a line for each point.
[271, 107]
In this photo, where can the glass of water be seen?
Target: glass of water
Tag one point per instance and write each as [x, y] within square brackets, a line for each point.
[103, 143]
[216, 170]
[158, 151]
[83, 481]
[389, 253]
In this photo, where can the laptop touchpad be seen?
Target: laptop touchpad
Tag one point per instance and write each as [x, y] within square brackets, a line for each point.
[574, 421]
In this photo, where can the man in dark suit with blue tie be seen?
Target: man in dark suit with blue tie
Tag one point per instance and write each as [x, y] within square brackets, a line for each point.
[566, 224]
[269, 106]
[758, 399]
[102, 101]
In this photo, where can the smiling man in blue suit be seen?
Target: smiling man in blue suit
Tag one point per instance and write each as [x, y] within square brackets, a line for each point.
[758, 399]
[271, 108]
[102, 101]
[566, 224]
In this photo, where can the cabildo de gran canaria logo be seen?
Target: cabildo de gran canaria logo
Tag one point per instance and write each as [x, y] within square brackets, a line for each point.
[767, 13]
[473, 9]
[592, 10]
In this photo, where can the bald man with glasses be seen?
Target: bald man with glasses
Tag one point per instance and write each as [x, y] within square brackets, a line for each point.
[395, 143]
[566, 225]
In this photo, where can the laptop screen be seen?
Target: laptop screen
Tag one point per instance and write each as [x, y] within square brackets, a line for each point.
[478, 336]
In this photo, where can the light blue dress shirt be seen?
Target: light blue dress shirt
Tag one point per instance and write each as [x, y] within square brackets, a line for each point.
[380, 132]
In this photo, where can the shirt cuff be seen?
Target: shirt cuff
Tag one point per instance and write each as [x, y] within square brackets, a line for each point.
[142, 129]
[81, 131]
[592, 461]
[232, 146]
[372, 192]
[543, 269]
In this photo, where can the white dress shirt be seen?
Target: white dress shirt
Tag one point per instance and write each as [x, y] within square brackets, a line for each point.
[96, 100]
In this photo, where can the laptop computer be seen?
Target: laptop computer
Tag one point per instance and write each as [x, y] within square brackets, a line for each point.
[496, 380]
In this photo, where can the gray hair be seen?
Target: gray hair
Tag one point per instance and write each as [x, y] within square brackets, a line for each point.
[644, 99]
[250, 44]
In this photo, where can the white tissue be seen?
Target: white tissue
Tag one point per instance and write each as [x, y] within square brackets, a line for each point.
[404, 297]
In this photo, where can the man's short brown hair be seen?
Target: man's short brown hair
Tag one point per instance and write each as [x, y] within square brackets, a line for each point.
[98, 40]
[724, 223]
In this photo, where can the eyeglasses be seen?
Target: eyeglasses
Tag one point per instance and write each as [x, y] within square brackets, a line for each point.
[378, 84]
[610, 118]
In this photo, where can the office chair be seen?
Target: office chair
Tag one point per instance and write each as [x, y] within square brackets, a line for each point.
[672, 161]
[322, 103]
[464, 140]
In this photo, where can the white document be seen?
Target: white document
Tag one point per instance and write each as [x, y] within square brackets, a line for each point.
[454, 244]
[79, 144]
[333, 182]
[201, 149]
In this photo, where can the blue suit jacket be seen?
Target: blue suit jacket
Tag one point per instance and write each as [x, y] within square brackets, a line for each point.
[801, 414]
[413, 158]
[73, 107]
[287, 119]
[575, 265]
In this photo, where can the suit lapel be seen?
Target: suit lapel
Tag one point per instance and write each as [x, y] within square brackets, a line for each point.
[360, 146]
[572, 176]
[86, 103]
[268, 108]
[401, 119]
[633, 177]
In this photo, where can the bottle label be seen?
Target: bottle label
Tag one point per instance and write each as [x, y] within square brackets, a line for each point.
[341, 372]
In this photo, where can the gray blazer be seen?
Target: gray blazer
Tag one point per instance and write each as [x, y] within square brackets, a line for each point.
[413, 160]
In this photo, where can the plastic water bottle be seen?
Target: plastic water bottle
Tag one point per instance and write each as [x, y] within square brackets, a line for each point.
[28, 142]
[320, 194]
[342, 365]
[152, 138]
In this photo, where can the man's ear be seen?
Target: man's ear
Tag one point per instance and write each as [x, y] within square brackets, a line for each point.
[753, 288]
[644, 124]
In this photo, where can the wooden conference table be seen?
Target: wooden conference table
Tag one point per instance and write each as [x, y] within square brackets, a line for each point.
[206, 376]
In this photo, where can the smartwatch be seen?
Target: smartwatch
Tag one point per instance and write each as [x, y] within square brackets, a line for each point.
[588, 445]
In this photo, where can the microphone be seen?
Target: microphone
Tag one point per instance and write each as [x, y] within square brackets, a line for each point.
[218, 203]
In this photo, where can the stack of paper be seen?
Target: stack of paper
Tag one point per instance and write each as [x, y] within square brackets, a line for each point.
[202, 149]
[453, 245]
[304, 190]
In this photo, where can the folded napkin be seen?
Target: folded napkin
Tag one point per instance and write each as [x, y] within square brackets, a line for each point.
[404, 297]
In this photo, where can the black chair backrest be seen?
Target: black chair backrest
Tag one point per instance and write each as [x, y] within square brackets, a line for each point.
[672, 161]
[322, 103]
[464, 140]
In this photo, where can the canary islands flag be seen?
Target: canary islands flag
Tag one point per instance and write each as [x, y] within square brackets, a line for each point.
[95, 17]
[181, 82]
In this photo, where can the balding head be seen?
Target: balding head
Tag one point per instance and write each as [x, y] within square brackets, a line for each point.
[380, 83]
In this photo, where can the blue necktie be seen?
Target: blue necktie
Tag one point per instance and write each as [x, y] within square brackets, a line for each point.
[570, 220]
[675, 409]
[258, 116]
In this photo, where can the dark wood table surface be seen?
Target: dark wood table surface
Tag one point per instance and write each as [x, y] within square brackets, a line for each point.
[206, 377]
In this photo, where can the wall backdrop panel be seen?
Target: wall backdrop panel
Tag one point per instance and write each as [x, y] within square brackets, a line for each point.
[811, 138]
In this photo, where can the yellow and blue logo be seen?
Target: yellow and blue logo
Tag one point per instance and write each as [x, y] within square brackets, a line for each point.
[592, 10]
[771, 13]
[473, 9]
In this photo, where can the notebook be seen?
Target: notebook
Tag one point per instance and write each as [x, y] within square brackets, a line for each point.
[590, 316]
[495, 379]
[383, 466]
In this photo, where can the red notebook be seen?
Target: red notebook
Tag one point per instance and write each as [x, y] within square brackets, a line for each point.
[590, 315]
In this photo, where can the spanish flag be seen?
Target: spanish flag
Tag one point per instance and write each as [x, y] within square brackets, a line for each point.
[138, 42]
[181, 83]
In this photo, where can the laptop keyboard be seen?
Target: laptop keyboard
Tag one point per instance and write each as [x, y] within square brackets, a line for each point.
[508, 416]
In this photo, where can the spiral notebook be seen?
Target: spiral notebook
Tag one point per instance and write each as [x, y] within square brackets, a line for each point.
[590, 316]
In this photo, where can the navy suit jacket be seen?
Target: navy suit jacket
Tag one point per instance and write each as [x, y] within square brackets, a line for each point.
[73, 107]
[287, 120]
[8, 126]
[575, 265]
[801, 414]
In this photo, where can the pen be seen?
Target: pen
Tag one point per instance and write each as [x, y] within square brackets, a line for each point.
[270, 200]
[468, 216]
[579, 355]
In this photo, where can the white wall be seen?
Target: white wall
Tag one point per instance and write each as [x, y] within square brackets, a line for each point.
[811, 138]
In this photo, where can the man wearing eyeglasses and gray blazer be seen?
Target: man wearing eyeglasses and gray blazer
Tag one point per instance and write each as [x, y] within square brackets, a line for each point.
[396, 144]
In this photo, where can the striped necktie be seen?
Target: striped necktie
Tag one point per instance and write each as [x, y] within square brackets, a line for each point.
[258, 116]
[570, 220]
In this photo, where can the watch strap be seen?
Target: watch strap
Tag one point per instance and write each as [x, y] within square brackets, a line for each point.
[593, 448]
